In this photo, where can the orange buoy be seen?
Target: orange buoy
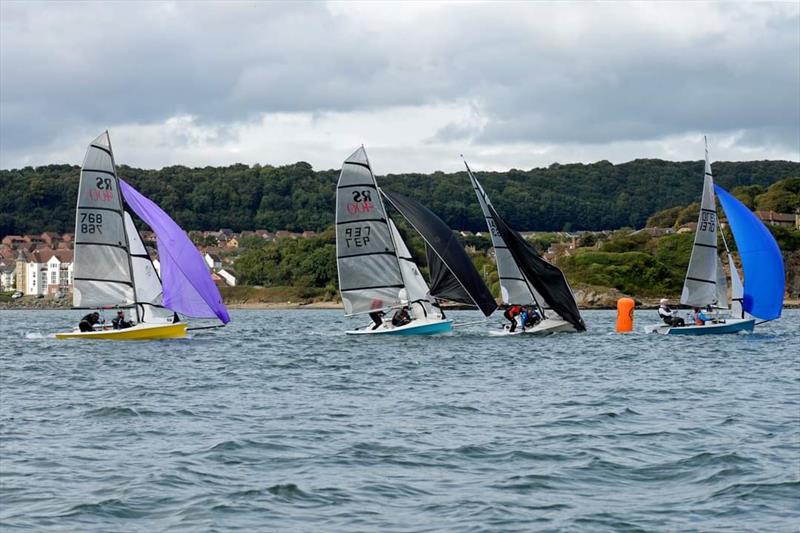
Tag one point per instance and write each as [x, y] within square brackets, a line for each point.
[625, 315]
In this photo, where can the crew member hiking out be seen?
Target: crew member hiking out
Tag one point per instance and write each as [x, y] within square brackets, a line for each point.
[511, 315]
[667, 314]
[88, 322]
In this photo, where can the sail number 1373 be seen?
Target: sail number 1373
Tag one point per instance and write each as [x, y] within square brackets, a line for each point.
[91, 223]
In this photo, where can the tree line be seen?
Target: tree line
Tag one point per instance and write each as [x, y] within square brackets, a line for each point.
[296, 197]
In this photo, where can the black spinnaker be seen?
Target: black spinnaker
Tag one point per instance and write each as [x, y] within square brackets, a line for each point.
[449, 253]
[547, 279]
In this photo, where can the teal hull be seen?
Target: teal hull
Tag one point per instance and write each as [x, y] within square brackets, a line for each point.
[428, 328]
[715, 329]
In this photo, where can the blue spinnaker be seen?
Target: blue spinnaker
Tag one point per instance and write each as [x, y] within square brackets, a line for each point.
[761, 259]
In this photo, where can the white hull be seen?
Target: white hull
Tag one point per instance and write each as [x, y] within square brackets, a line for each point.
[545, 327]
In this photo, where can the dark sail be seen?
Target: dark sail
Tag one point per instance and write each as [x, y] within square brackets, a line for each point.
[443, 243]
[444, 284]
[547, 279]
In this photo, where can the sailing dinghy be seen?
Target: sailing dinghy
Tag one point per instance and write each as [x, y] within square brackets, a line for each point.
[525, 278]
[112, 269]
[761, 295]
[377, 273]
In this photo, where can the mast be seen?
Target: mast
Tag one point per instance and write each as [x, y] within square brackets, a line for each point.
[124, 229]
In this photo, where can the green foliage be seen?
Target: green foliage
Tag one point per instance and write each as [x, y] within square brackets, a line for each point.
[788, 238]
[665, 218]
[781, 197]
[309, 262]
[630, 272]
[747, 194]
[296, 197]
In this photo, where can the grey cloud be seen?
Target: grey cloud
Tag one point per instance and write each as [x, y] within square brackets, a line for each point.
[88, 65]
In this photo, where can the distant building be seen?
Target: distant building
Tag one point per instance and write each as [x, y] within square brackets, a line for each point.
[779, 219]
[213, 261]
[8, 277]
[227, 277]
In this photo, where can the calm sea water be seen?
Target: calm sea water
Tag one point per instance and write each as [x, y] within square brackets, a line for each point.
[281, 422]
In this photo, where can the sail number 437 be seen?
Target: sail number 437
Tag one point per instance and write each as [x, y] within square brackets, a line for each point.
[91, 223]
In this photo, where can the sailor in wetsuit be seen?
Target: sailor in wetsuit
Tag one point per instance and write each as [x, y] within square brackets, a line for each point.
[88, 322]
[401, 317]
[119, 322]
[511, 315]
[668, 315]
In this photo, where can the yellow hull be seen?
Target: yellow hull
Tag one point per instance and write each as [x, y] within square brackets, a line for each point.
[141, 332]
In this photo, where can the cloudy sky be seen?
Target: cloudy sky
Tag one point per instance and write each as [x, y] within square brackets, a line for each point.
[510, 85]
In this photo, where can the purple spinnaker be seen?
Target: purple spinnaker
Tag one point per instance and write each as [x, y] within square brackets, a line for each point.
[188, 287]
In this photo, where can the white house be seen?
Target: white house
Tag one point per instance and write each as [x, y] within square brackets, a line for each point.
[8, 277]
[213, 261]
[227, 277]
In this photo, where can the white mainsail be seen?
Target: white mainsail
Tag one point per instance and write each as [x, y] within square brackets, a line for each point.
[102, 266]
[370, 278]
[700, 285]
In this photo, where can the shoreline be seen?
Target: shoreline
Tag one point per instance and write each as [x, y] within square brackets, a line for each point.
[40, 305]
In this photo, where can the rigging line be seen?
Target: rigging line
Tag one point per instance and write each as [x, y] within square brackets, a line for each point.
[764, 321]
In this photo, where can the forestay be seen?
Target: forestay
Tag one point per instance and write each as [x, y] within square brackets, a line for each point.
[514, 288]
[369, 270]
[102, 268]
[700, 285]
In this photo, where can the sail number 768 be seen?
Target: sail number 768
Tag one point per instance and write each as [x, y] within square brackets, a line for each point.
[91, 223]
